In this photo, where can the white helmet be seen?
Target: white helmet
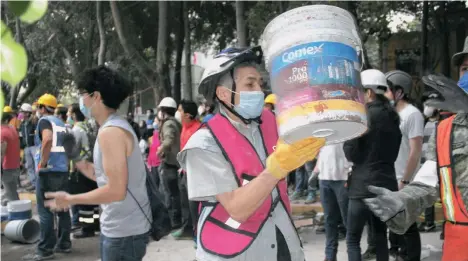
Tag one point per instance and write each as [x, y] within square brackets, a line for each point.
[168, 102]
[375, 80]
[26, 107]
[223, 63]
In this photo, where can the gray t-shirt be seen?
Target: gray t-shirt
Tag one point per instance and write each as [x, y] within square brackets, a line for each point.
[124, 218]
[80, 135]
[209, 174]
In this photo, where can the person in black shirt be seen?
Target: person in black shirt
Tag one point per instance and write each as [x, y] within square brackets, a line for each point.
[373, 156]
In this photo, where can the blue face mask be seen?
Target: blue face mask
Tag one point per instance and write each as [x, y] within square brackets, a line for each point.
[463, 82]
[70, 120]
[250, 104]
[85, 110]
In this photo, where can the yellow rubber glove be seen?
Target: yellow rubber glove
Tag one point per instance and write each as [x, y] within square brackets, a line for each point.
[288, 157]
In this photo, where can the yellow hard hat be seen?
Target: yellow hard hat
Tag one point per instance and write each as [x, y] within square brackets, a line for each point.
[47, 100]
[60, 105]
[7, 109]
[271, 98]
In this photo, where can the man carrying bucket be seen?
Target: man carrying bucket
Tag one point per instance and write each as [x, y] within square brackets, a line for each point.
[445, 168]
[236, 167]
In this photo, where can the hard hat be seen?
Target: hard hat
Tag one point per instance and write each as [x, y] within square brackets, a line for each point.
[457, 58]
[7, 109]
[26, 107]
[401, 79]
[60, 105]
[168, 102]
[223, 63]
[47, 100]
[271, 98]
[375, 80]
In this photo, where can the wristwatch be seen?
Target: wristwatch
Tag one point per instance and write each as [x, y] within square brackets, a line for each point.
[404, 182]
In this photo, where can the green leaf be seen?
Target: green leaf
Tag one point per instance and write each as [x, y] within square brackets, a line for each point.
[13, 58]
[28, 11]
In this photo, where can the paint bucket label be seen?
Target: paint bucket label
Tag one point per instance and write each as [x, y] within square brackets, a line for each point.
[314, 73]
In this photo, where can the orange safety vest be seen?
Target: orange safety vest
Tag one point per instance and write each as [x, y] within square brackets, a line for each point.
[455, 212]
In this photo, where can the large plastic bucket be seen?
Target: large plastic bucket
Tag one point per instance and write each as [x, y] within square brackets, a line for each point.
[312, 54]
[19, 209]
[23, 231]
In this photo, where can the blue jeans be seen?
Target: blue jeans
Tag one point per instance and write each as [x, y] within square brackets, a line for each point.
[131, 248]
[358, 216]
[334, 197]
[302, 178]
[30, 166]
[50, 182]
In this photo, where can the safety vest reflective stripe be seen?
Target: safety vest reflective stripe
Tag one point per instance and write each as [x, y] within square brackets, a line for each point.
[447, 193]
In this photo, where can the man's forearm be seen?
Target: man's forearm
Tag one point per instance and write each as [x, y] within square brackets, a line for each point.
[86, 168]
[45, 152]
[411, 165]
[102, 195]
[244, 201]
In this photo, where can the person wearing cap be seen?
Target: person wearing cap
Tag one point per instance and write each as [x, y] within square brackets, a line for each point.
[236, 167]
[10, 156]
[52, 168]
[14, 121]
[270, 102]
[169, 135]
[444, 172]
[27, 130]
[409, 156]
[373, 156]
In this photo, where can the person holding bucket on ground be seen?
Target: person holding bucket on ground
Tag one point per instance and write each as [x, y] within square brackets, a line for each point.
[373, 156]
[445, 170]
[237, 167]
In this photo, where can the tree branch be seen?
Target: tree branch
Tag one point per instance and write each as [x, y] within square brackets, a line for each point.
[102, 33]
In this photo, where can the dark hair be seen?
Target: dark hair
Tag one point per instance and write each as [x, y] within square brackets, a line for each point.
[168, 110]
[75, 109]
[6, 117]
[151, 111]
[113, 87]
[211, 108]
[189, 107]
[62, 113]
[47, 108]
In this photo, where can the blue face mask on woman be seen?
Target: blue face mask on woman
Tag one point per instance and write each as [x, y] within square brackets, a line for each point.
[250, 104]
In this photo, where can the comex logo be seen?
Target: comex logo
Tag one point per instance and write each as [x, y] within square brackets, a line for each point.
[299, 53]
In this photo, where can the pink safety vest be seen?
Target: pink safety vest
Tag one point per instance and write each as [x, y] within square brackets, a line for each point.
[220, 234]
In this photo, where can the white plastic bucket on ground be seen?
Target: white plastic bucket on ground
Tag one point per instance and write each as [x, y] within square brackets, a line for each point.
[312, 55]
[23, 231]
[19, 209]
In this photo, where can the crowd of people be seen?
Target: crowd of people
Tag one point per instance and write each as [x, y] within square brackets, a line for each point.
[224, 174]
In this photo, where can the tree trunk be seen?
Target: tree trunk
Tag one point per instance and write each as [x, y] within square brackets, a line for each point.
[102, 33]
[241, 28]
[89, 46]
[14, 90]
[424, 39]
[135, 57]
[444, 30]
[187, 92]
[179, 41]
[161, 54]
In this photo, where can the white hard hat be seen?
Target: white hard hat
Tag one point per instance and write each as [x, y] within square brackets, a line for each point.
[375, 80]
[168, 102]
[223, 63]
[26, 107]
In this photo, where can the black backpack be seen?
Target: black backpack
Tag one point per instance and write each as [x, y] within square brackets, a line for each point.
[161, 224]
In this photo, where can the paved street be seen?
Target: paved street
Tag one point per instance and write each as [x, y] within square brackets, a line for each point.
[171, 250]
